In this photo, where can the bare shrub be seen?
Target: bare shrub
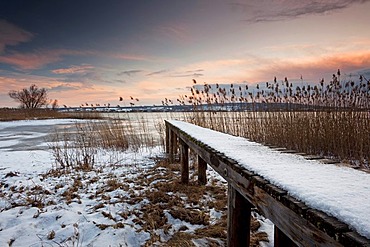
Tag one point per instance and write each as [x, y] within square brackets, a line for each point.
[74, 151]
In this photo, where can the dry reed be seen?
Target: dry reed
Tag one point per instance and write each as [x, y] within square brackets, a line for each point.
[330, 120]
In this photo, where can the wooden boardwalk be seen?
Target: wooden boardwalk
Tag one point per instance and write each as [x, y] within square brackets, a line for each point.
[295, 223]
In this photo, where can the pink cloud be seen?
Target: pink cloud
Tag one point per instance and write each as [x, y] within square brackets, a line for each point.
[313, 68]
[74, 69]
[12, 35]
[37, 59]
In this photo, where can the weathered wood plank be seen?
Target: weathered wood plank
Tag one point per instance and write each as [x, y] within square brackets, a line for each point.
[293, 204]
[297, 228]
[354, 240]
[327, 224]
[282, 240]
[239, 217]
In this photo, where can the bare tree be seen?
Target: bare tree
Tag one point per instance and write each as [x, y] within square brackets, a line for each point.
[30, 98]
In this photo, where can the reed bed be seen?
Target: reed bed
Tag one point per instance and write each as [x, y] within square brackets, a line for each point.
[78, 150]
[12, 114]
[331, 120]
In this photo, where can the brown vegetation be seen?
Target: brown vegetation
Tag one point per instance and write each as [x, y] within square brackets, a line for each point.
[330, 120]
[12, 114]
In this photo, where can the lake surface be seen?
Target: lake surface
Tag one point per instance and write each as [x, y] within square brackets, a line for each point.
[26, 135]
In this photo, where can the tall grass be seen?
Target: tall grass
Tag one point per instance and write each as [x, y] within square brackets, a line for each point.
[331, 120]
[78, 150]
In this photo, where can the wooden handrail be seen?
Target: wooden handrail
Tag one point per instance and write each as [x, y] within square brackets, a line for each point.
[295, 223]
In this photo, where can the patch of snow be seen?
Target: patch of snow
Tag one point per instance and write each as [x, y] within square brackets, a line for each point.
[177, 223]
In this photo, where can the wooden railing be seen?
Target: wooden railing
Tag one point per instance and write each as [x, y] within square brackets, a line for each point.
[295, 224]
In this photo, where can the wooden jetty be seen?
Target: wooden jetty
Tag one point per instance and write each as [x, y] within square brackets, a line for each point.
[295, 224]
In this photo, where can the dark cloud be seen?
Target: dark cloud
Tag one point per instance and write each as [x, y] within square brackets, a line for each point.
[272, 10]
[188, 75]
[195, 71]
[120, 81]
[157, 72]
[11, 35]
[64, 87]
[130, 72]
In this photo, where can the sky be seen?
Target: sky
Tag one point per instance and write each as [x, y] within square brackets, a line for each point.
[97, 51]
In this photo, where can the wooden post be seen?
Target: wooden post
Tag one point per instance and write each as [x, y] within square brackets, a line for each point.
[184, 162]
[167, 139]
[202, 168]
[172, 146]
[282, 240]
[239, 219]
[174, 143]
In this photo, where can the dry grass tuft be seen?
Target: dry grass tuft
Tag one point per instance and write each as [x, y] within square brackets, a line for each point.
[217, 230]
[193, 216]
[153, 217]
[181, 239]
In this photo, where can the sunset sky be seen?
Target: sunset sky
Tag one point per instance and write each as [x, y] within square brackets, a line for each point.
[96, 51]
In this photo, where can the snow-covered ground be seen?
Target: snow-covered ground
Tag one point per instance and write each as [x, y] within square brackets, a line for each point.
[111, 205]
[339, 191]
[33, 210]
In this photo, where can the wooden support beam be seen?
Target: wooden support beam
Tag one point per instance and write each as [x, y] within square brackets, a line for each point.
[239, 218]
[202, 168]
[168, 131]
[184, 162]
[282, 240]
[172, 146]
